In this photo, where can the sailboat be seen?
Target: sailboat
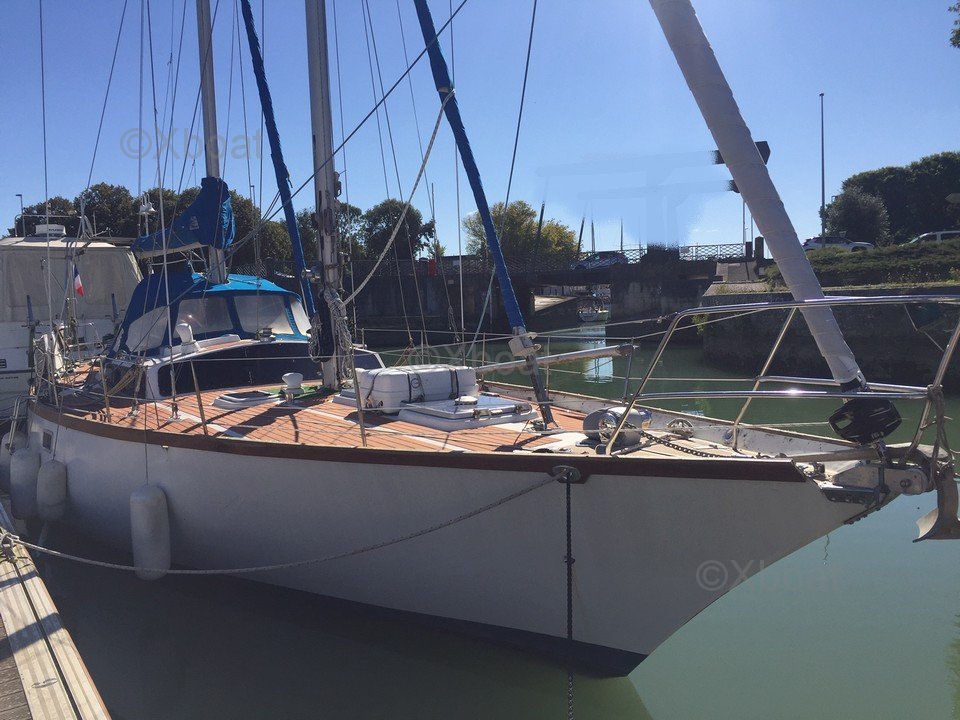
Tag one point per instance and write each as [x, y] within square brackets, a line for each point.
[573, 525]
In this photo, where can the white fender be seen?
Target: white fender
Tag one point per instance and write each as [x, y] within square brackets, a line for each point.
[24, 468]
[52, 490]
[19, 440]
[150, 531]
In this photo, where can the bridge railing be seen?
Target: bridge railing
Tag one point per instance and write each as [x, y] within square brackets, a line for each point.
[281, 271]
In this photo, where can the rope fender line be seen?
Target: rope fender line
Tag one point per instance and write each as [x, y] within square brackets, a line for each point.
[9, 539]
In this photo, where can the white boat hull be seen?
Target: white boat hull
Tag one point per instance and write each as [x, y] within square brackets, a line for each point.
[651, 552]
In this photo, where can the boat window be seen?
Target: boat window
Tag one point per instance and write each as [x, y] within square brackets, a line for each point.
[205, 315]
[147, 331]
[263, 311]
[300, 316]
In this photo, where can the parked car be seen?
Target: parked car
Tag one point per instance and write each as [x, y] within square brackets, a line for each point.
[840, 243]
[938, 236]
[601, 259]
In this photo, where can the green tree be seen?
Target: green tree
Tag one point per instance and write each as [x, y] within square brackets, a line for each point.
[271, 237]
[308, 234]
[915, 195]
[274, 241]
[380, 220]
[517, 228]
[33, 215]
[167, 204]
[955, 34]
[859, 216]
[437, 249]
[110, 209]
[350, 225]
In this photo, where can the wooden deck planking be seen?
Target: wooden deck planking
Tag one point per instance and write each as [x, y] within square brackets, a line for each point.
[322, 422]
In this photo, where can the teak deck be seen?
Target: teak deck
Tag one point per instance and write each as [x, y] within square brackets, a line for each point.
[319, 421]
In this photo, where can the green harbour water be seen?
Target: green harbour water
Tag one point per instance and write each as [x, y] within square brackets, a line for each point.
[862, 625]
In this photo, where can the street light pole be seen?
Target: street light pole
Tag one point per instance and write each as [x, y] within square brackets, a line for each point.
[23, 222]
[823, 177]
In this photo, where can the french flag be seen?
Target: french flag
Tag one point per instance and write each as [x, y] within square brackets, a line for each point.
[77, 282]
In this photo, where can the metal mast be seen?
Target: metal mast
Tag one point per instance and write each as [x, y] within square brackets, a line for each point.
[208, 101]
[325, 180]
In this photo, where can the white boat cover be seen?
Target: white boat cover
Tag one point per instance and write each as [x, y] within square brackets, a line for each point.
[104, 269]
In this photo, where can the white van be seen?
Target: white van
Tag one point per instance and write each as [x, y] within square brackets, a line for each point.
[937, 236]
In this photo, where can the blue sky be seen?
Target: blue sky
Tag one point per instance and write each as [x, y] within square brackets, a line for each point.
[604, 93]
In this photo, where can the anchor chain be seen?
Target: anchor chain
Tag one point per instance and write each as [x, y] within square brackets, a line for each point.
[677, 446]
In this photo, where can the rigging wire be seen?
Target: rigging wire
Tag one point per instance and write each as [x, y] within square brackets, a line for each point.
[396, 168]
[271, 212]
[377, 103]
[257, 261]
[263, 54]
[163, 226]
[406, 207]
[456, 172]
[343, 154]
[139, 112]
[175, 87]
[413, 102]
[386, 109]
[365, 118]
[243, 101]
[226, 129]
[166, 92]
[383, 161]
[103, 111]
[46, 189]
[513, 162]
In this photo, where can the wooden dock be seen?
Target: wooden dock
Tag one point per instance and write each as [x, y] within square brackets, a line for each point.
[42, 675]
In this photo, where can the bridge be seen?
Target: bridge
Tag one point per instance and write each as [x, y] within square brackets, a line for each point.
[545, 269]
[650, 281]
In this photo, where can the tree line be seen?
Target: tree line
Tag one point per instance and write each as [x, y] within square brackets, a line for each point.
[113, 211]
[891, 205]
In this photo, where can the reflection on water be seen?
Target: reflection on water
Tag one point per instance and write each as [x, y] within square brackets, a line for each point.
[189, 647]
[873, 633]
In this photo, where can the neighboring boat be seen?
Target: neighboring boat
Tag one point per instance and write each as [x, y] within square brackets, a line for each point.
[434, 491]
[89, 282]
[594, 314]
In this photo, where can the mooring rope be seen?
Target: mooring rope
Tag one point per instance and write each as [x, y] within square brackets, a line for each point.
[6, 538]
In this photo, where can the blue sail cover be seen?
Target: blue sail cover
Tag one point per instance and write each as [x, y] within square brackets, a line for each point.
[208, 221]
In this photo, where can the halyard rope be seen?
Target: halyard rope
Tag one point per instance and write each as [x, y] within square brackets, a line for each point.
[406, 207]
